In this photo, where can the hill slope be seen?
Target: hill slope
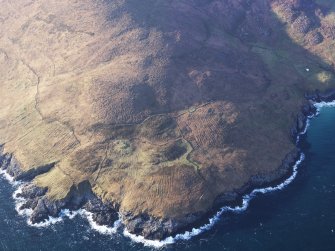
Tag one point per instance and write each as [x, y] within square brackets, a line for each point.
[164, 110]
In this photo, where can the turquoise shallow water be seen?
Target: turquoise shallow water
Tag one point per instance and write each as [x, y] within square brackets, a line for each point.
[301, 217]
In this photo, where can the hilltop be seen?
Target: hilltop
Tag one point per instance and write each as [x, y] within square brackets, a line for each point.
[161, 110]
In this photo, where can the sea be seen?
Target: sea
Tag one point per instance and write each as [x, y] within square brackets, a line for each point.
[298, 214]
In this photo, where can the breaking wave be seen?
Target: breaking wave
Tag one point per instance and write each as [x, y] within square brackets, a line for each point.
[212, 221]
[27, 212]
[169, 240]
[238, 209]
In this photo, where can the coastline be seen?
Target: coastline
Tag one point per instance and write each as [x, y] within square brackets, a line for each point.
[71, 214]
[104, 229]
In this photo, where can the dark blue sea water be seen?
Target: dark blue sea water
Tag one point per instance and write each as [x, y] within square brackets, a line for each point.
[300, 217]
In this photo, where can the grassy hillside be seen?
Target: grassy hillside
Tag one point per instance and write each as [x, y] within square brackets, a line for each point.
[161, 105]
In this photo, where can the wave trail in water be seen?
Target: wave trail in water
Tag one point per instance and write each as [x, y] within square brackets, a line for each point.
[169, 240]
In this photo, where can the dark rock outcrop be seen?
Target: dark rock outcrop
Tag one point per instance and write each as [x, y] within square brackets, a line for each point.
[317, 96]
[158, 229]
[43, 207]
[105, 213]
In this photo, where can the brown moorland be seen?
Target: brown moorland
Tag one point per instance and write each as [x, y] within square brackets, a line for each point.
[165, 108]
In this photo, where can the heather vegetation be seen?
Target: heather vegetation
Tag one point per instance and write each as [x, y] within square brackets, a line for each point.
[166, 108]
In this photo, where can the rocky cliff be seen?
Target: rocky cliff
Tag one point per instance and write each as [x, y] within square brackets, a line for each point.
[161, 110]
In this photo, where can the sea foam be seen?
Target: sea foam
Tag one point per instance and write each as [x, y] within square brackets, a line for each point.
[324, 104]
[9, 178]
[212, 221]
[27, 212]
[103, 229]
[169, 240]
[238, 209]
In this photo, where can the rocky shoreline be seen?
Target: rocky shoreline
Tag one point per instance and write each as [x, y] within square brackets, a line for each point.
[82, 197]
[35, 199]
[160, 229]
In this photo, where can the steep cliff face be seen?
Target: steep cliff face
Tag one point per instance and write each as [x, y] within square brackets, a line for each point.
[165, 108]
